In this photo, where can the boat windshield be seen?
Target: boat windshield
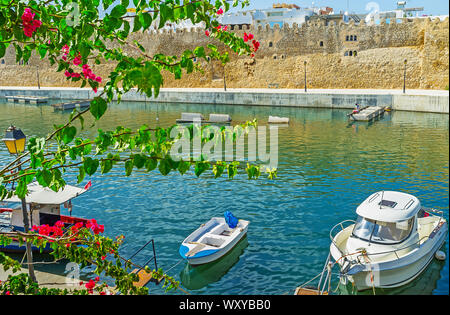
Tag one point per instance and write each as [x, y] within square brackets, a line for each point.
[382, 232]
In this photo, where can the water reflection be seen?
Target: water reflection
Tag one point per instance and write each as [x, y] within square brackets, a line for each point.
[325, 171]
[194, 278]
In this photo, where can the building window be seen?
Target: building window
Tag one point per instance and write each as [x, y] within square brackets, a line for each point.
[270, 44]
[347, 38]
[3, 61]
[355, 38]
[346, 53]
[350, 53]
[351, 38]
[355, 53]
[321, 43]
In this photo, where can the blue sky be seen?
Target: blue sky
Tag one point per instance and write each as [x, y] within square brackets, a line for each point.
[432, 7]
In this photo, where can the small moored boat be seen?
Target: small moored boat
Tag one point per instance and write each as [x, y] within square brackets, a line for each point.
[43, 206]
[213, 239]
[391, 243]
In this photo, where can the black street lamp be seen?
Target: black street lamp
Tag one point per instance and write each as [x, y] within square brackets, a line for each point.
[305, 75]
[224, 79]
[37, 75]
[404, 77]
[15, 141]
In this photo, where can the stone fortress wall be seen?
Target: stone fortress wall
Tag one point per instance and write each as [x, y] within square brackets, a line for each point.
[338, 55]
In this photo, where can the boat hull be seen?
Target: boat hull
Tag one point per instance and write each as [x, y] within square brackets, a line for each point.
[214, 256]
[15, 247]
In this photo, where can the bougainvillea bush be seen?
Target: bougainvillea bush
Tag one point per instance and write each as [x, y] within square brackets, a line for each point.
[73, 36]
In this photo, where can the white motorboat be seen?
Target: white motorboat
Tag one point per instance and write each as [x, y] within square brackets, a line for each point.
[43, 207]
[212, 240]
[392, 241]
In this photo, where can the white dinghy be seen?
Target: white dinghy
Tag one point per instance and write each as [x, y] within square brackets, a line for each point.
[213, 239]
[391, 243]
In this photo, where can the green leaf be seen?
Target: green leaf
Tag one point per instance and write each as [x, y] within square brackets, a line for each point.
[151, 164]
[106, 166]
[44, 177]
[98, 107]
[90, 165]
[21, 189]
[128, 167]
[139, 160]
[200, 167]
[165, 166]
[68, 134]
[2, 50]
[42, 50]
[118, 11]
[183, 167]
[81, 175]
[145, 20]
[218, 170]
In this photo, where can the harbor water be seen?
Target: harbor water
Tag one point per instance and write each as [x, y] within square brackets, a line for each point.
[327, 166]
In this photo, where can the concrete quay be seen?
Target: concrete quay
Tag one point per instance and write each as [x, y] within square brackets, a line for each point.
[433, 101]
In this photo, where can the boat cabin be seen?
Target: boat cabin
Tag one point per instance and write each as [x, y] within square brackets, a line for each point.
[386, 217]
[43, 205]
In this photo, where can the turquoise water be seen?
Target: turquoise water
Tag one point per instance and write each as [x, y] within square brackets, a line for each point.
[326, 168]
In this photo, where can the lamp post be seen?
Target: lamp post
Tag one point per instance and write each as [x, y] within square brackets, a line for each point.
[15, 141]
[404, 77]
[305, 75]
[224, 79]
[37, 75]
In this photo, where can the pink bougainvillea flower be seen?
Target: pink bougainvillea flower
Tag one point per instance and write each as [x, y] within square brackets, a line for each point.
[245, 37]
[27, 15]
[256, 45]
[77, 60]
[29, 24]
[219, 12]
[225, 28]
[67, 74]
[90, 286]
[207, 33]
[250, 36]
[37, 23]
[98, 79]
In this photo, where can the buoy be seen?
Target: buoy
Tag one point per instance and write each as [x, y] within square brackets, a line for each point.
[440, 255]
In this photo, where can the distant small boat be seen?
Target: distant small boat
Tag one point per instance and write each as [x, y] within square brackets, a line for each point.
[213, 239]
[278, 120]
[189, 118]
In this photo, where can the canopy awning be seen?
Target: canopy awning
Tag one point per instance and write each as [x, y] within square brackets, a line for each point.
[44, 195]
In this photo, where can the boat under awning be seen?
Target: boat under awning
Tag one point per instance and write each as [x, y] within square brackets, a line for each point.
[44, 195]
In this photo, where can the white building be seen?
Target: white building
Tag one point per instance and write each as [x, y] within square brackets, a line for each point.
[278, 14]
